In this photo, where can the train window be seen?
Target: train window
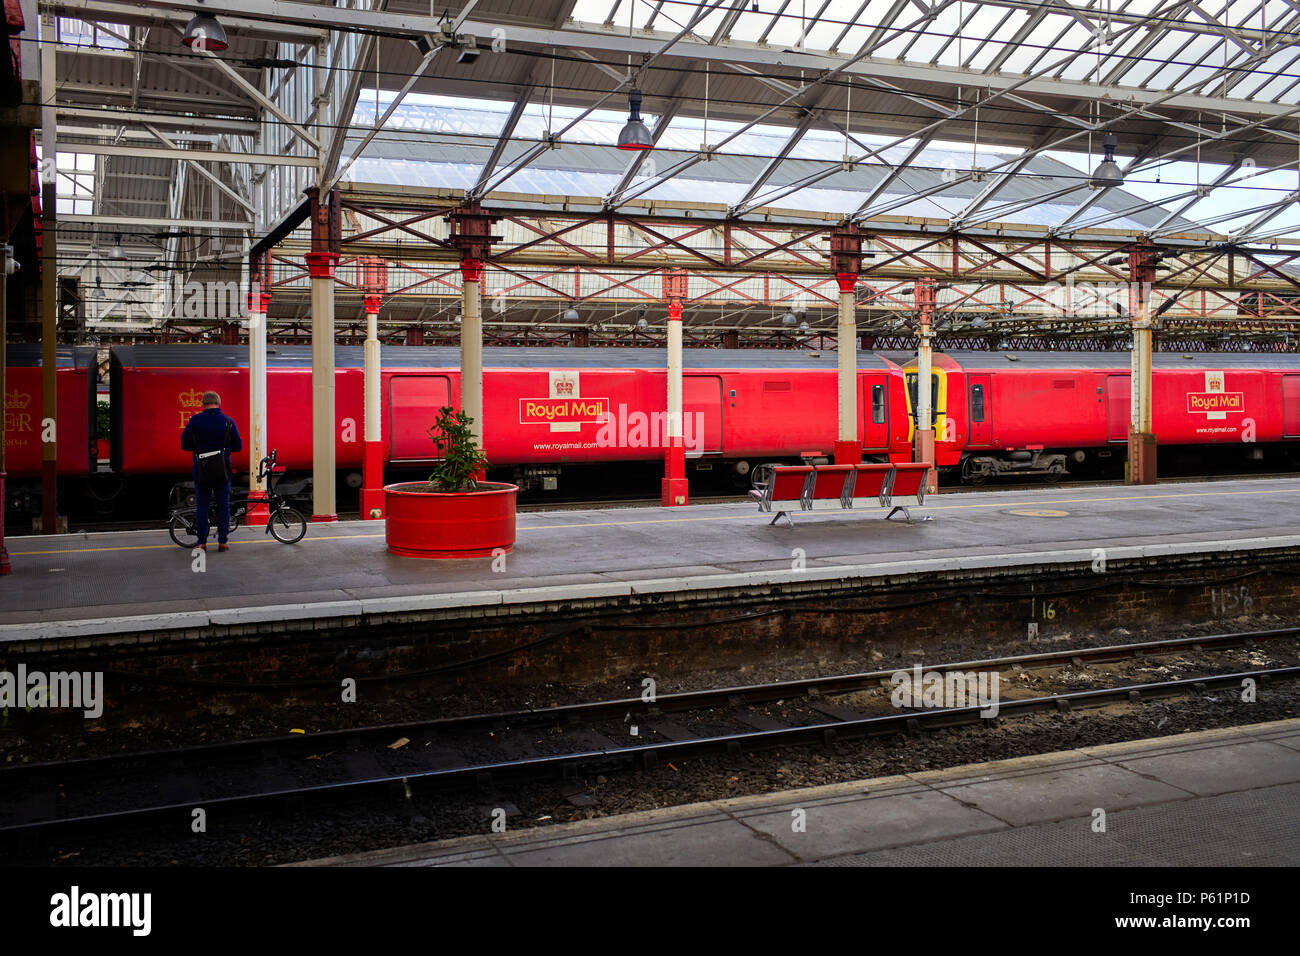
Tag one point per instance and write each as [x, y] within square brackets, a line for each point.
[977, 403]
[934, 395]
[878, 404]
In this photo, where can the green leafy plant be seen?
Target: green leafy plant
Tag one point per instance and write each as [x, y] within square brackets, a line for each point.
[461, 458]
[102, 420]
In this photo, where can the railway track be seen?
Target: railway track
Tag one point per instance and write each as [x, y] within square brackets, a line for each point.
[164, 787]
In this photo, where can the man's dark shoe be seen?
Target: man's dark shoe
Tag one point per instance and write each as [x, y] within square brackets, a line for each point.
[223, 547]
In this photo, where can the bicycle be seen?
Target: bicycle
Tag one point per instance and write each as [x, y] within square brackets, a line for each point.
[284, 523]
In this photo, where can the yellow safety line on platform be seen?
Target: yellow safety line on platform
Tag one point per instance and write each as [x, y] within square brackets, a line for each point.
[164, 547]
[1000, 504]
[748, 515]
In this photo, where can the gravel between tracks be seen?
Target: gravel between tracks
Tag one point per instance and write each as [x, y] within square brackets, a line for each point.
[284, 838]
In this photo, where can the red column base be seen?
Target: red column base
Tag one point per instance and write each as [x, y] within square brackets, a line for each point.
[257, 510]
[923, 450]
[674, 492]
[372, 504]
[674, 488]
[1141, 459]
[372, 481]
[848, 453]
[324, 519]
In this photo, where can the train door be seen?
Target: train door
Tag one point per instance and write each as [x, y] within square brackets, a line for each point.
[875, 404]
[981, 411]
[413, 403]
[936, 410]
[1117, 407]
[1291, 406]
[702, 414]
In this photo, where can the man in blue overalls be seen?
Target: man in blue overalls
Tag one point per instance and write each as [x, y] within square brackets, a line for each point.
[212, 431]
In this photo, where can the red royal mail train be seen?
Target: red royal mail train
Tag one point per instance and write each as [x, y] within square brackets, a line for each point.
[550, 411]
[26, 426]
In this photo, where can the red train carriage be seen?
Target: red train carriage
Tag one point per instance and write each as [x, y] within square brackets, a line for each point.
[543, 408]
[1037, 411]
[24, 411]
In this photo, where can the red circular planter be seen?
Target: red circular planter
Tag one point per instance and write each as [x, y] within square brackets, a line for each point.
[438, 524]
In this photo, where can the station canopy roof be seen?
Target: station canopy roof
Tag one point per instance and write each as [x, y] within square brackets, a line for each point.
[990, 116]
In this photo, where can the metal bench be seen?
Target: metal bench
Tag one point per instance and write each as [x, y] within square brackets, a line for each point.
[908, 481]
[781, 486]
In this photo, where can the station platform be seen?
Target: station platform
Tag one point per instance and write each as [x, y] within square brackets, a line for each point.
[76, 586]
[1227, 797]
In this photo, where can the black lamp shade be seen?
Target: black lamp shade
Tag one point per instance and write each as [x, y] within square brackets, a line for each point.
[634, 135]
[204, 32]
[1108, 172]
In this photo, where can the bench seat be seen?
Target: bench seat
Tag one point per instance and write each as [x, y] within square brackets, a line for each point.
[839, 486]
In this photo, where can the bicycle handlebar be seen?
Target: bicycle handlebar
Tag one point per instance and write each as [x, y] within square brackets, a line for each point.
[266, 466]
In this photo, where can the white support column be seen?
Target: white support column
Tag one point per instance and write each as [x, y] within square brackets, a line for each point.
[675, 488]
[6, 256]
[923, 445]
[372, 462]
[674, 337]
[471, 344]
[257, 450]
[324, 498]
[1142, 439]
[848, 449]
[372, 375]
[924, 373]
[1144, 367]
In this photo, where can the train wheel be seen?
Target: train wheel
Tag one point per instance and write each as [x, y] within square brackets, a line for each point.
[183, 531]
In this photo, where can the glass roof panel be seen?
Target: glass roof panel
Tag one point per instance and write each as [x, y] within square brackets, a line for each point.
[920, 39]
[460, 132]
[1275, 88]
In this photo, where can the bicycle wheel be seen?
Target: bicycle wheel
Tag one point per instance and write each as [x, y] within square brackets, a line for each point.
[183, 530]
[287, 525]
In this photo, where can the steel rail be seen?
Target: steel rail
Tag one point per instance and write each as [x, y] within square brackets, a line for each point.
[680, 702]
[648, 756]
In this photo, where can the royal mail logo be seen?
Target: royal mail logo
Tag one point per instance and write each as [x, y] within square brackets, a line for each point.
[562, 411]
[191, 402]
[1212, 402]
[17, 416]
[1215, 403]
